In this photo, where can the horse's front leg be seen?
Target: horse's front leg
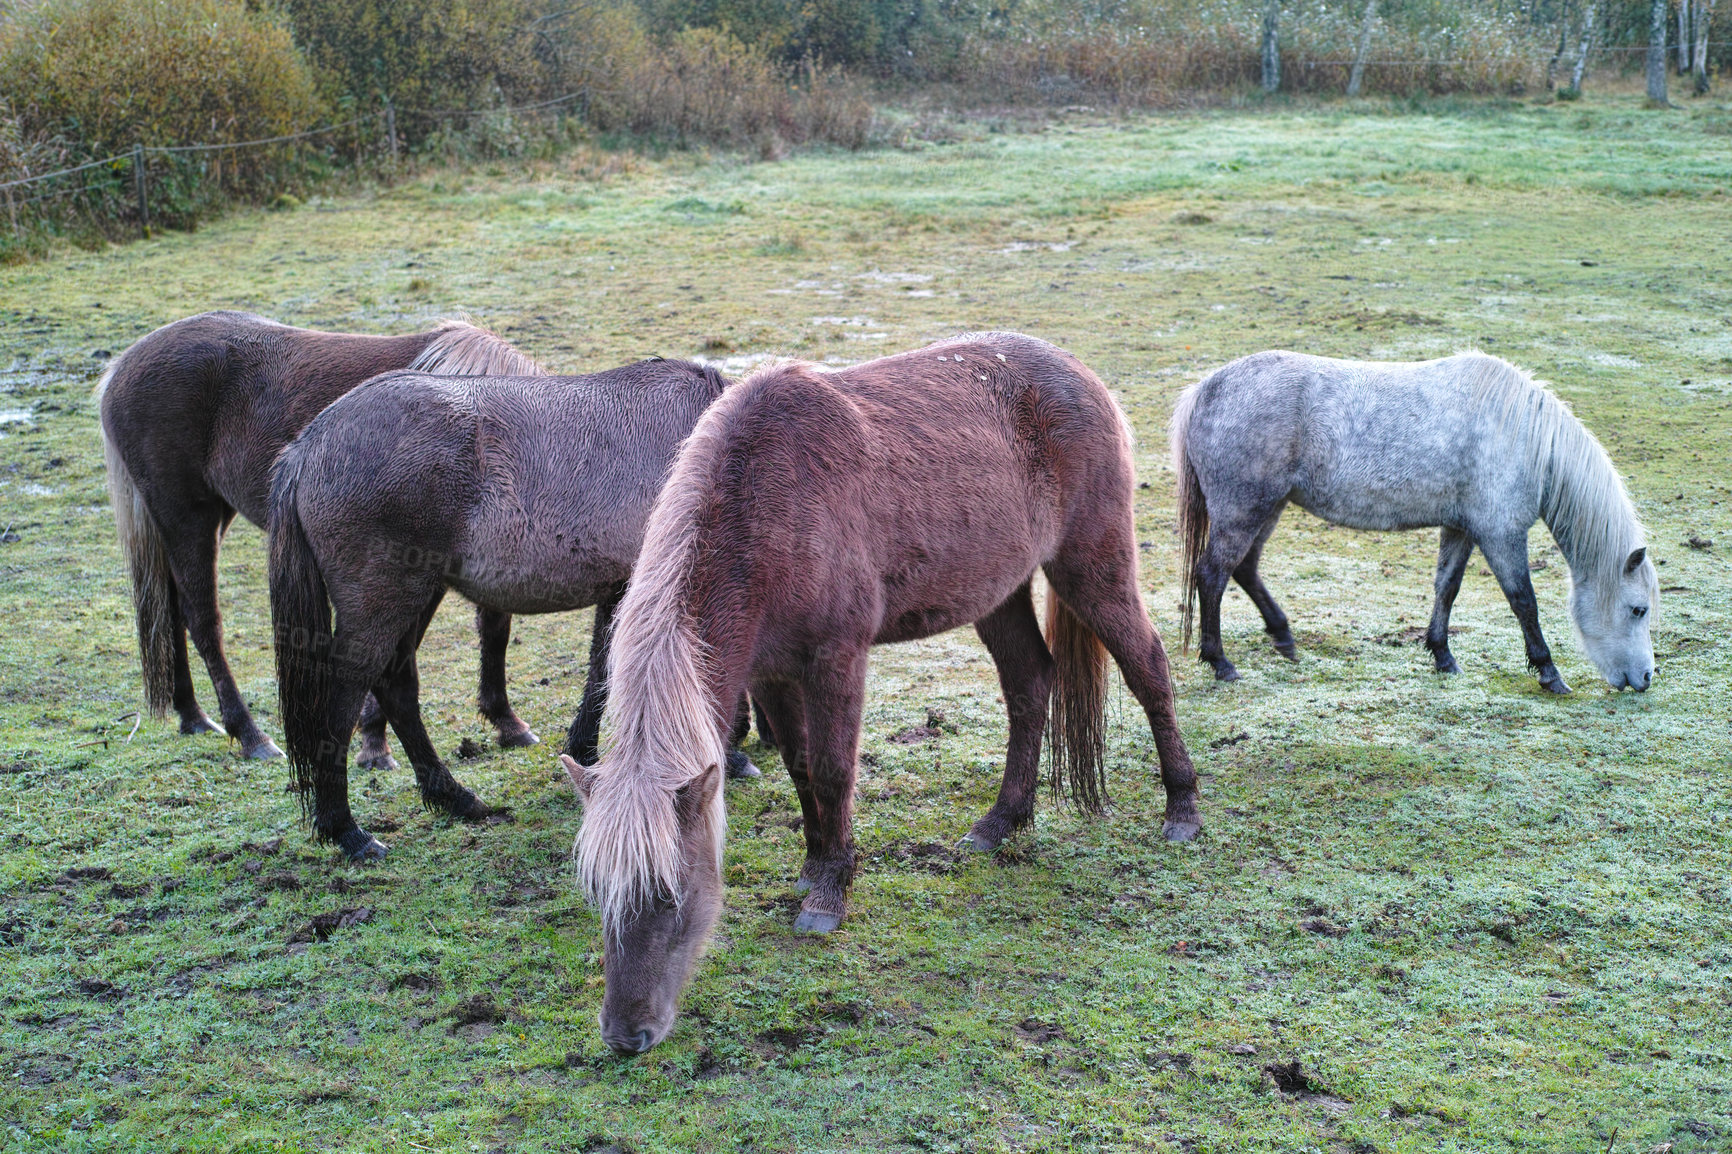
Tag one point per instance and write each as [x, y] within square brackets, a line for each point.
[1508, 560]
[1025, 674]
[494, 629]
[1453, 550]
[834, 697]
[784, 704]
[582, 741]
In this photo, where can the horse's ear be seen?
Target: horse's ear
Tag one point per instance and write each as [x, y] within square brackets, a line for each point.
[579, 777]
[1635, 561]
[694, 797]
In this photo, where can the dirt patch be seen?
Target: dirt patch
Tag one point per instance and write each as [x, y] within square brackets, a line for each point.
[476, 1017]
[786, 1038]
[1291, 1080]
[1039, 1032]
[324, 925]
[936, 726]
[929, 856]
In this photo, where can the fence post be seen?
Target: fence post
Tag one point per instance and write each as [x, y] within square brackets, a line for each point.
[138, 187]
[391, 129]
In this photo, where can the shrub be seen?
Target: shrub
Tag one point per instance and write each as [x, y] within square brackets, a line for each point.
[423, 57]
[107, 74]
[704, 84]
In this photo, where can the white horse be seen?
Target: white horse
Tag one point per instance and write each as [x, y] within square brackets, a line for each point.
[1469, 443]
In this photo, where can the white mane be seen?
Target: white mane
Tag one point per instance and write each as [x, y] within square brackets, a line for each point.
[1582, 498]
[665, 729]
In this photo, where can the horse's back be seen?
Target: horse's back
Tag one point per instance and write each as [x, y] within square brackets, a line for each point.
[535, 489]
[1370, 444]
[931, 482]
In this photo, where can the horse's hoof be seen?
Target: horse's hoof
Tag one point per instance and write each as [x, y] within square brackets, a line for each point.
[461, 804]
[1287, 649]
[1181, 830]
[740, 767]
[1446, 664]
[200, 724]
[977, 842]
[1226, 672]
[360, 846]
[518, 737]
[814, 922]
[376, 761]
[264, 749]
[1555, 684]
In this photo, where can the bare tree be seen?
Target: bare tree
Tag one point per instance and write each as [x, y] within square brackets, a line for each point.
[1699, 55]
[1657, 53]
[1581, 66]
[1272, 46]
[1563, 42]
[1684, 40]
[1355, 77]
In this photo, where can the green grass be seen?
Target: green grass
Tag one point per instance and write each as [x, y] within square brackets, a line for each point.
[1480, 918]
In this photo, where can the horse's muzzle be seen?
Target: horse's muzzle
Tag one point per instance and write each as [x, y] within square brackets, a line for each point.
[626, 1044]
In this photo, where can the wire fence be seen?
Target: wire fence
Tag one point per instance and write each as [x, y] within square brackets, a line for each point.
[20, 194]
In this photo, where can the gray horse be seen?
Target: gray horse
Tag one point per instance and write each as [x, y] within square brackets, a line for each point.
[522, 494]
[1469, 443]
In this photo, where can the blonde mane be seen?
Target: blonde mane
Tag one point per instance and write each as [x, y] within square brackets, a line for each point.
[464, 349]
[665, 729]
[1581, 497]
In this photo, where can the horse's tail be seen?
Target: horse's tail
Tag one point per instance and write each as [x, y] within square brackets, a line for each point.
[153, 589]
[1193, 510]
[300, 625]
[1078, 713]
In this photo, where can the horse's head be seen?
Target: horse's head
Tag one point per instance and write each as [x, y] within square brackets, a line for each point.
[651, 860]
[1613, 614]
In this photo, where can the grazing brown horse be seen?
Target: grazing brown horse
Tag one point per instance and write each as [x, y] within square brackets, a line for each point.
[523, 494]
[812, 515]
[193, 416]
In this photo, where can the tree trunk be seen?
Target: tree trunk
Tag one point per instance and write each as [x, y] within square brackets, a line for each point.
[1272, 46]
[1582, 55]
[1699, 64]
[1355, 77]
[1683, 36]
[1657, 53]
[1558, 56]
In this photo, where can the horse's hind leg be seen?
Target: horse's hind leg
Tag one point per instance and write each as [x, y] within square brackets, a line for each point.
[1453, 550]
[192, 545]
[784, 704]
[740, 766]
[584, 736]
[1231, 540]
[1025, 674]
[398, 689]
[375, 752]
[186, 707]
[494, 629]
[1250, 579]
[1099, 585]
[333, 821]
[1508, 560]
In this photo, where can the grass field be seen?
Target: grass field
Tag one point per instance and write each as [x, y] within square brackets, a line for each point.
[1477, 917]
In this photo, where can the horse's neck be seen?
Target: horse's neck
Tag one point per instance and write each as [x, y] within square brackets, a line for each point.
[1582, 502]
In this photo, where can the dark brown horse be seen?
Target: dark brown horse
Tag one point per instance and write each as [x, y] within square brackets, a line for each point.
[812, 515]
[523, 494]
[193, 416]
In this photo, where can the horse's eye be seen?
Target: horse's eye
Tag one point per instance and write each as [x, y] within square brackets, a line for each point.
[1639, 611]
